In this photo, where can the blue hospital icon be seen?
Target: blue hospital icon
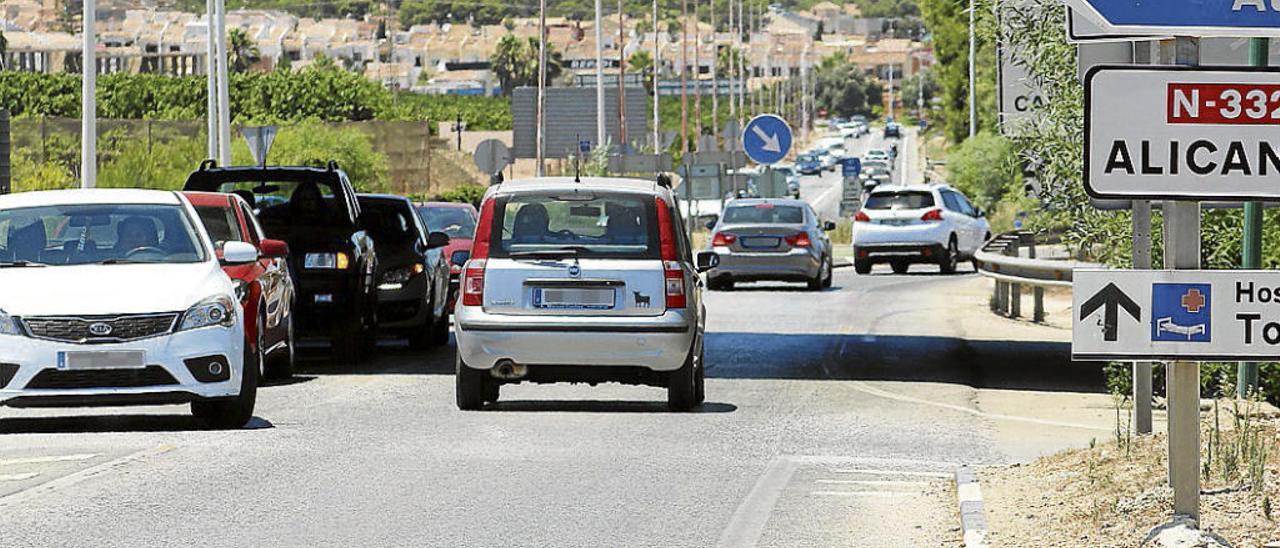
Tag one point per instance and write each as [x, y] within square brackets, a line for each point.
[1181, 312]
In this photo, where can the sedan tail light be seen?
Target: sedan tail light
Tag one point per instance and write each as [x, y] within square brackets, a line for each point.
[672, 273]
[799, 239]
[861, 217]
[932, 216]
[723, 239]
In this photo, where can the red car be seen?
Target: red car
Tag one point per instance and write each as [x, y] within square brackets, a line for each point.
[265, 287]
[458, 220]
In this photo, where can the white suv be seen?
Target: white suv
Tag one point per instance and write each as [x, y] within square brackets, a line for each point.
[902, 225]
[117, 297]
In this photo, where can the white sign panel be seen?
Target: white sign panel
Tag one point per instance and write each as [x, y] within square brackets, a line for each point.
[1192, 315]
[1173, 133]
[1019, 95]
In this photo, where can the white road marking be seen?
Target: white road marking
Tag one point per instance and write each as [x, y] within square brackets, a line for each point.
[42, 460]
[894, 472]
[873, 482]
[36, 491]
[861, 494]
[18, 477]
[863, 387]
[748, 521]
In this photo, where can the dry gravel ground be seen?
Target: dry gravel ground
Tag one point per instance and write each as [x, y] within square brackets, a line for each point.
[1113, 493]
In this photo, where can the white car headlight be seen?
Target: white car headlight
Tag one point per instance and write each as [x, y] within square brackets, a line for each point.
[8, 325]
[217, 310]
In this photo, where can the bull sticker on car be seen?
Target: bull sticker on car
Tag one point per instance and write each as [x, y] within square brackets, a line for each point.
[642, 300]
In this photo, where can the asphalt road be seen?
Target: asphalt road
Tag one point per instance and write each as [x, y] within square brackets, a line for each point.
[832, 419]
[824, 190]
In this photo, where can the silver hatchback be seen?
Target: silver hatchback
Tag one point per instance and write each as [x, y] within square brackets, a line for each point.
[591, 281]
[770, 239]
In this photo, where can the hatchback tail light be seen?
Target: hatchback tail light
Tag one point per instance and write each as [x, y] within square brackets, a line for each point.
[723, 239]
[799, 239]
[861, 217]
[932, 216]
[473, 271]
[672, 273]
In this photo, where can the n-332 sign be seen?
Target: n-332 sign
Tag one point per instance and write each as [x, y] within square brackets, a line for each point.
[1202, 133]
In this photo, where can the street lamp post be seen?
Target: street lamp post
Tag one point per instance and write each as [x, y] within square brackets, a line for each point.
[88, 102]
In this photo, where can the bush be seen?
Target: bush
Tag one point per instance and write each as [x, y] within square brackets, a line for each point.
[984, 167]
[467, 193]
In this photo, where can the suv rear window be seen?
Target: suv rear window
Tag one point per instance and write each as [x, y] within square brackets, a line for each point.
[764, 213]
[911, 199]
[588, 224]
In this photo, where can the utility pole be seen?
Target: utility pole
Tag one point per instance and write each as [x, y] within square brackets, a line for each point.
[973, 47]
[88, 101]
[697, 70]
[601, 131]
[804, 94]
[542, 84]
[657, 69]
[622, 84]
[715, 75]
[891, 101]
[742, 70]
[1247, 373]
[211, 79]
[224, 96]
[684, 77]
[733, 64]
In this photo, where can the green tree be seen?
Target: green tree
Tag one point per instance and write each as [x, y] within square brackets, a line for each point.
[948, 23]
[642, 62]
[984, 167]
[515, 62]
[843, 88]
[242, 52]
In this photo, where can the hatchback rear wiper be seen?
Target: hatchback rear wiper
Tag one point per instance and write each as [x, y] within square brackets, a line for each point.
[19, 264]
[566, 251]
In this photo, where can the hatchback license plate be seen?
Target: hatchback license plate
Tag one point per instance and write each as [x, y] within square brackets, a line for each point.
[105, 359]
[573, 298]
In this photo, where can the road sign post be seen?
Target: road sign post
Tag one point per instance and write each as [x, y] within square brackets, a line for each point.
[1247, 373]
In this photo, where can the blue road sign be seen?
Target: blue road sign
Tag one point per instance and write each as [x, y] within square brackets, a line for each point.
[1183, 18]
[850, 167]
[766, 139]
[1181, 312]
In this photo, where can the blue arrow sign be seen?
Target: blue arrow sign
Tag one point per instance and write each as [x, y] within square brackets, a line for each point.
[1183, 18]
[766, 139]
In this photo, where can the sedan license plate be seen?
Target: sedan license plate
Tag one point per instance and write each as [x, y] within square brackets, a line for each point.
[105, 359]
[896, 222]
[760, 243]
[573, 298]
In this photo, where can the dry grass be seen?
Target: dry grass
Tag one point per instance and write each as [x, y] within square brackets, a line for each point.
[1113, 493]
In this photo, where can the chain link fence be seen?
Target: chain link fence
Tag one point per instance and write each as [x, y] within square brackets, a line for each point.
[380, 156]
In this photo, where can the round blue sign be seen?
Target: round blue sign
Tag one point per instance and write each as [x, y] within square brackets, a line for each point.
[766, 139]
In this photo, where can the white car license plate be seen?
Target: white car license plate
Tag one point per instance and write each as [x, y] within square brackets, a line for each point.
[573, 298]
[105, 359]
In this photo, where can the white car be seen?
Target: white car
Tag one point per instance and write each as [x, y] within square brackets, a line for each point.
[117, 297]
[876, 154]
[903, 225]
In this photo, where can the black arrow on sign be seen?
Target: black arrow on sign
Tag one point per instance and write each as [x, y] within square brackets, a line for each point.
[1112, 298]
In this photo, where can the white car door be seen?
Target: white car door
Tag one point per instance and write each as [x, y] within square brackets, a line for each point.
[962, 222]
[977, 224]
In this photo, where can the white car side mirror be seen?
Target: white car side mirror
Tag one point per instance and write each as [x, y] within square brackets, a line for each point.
[239, 253]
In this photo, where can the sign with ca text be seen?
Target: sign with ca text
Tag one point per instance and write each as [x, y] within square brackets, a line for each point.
[1191, 315]
[1182, 133]
[1182, 18]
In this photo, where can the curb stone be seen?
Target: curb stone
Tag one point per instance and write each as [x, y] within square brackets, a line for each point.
[972, 521]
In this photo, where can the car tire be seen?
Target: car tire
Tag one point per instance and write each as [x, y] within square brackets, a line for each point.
[440, 329]
[951, 258]
[831, 274]
[862, 267]
[492, 391]
[700, 379]
[469, 386]
[681, 386]
[348, 342]
[900, 267]
[233, 412]
[824, 272]
[280, 367]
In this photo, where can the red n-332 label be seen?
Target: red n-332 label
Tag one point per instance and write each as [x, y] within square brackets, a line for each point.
[1245, 104]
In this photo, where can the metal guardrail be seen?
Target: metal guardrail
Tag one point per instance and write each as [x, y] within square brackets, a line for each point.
[1001, 259]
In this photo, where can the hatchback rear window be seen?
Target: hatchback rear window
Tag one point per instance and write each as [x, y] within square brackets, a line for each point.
[584, 224]
[764, 213]
[900, 200]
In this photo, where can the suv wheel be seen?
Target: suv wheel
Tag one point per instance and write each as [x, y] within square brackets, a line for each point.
[681, 386]
[237, 411]
[347, 341]
[950, 258]
[861, 266]
[469, 389]
[899, 267]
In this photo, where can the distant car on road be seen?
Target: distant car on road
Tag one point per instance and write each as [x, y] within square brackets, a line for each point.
[770, 239]
[413, 272]
[809, 164]
[590, 281]
[892, 130]
[264, 287]
[905, 225]
[332, 256]
[117, 297]
[458, 221]
[876, 155]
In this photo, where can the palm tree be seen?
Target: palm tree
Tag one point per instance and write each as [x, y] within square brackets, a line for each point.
[508, 62]
[642, 62]
[242, 52]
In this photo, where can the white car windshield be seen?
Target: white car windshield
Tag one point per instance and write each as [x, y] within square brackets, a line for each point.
[98, 233]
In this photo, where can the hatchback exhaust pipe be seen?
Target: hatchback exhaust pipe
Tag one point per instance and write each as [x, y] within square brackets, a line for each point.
[508, 370]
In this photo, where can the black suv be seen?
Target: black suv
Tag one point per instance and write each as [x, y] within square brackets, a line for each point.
[332, 257]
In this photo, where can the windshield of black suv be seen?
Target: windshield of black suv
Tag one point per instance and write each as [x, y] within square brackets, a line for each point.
[908, 199]
[582, 224]
[457, 222]
[291, 203]
[98, 233]
[764, 213]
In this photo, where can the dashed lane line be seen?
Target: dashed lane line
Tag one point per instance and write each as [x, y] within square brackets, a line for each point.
[42, 489]
[18, 477]
[45, 460]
